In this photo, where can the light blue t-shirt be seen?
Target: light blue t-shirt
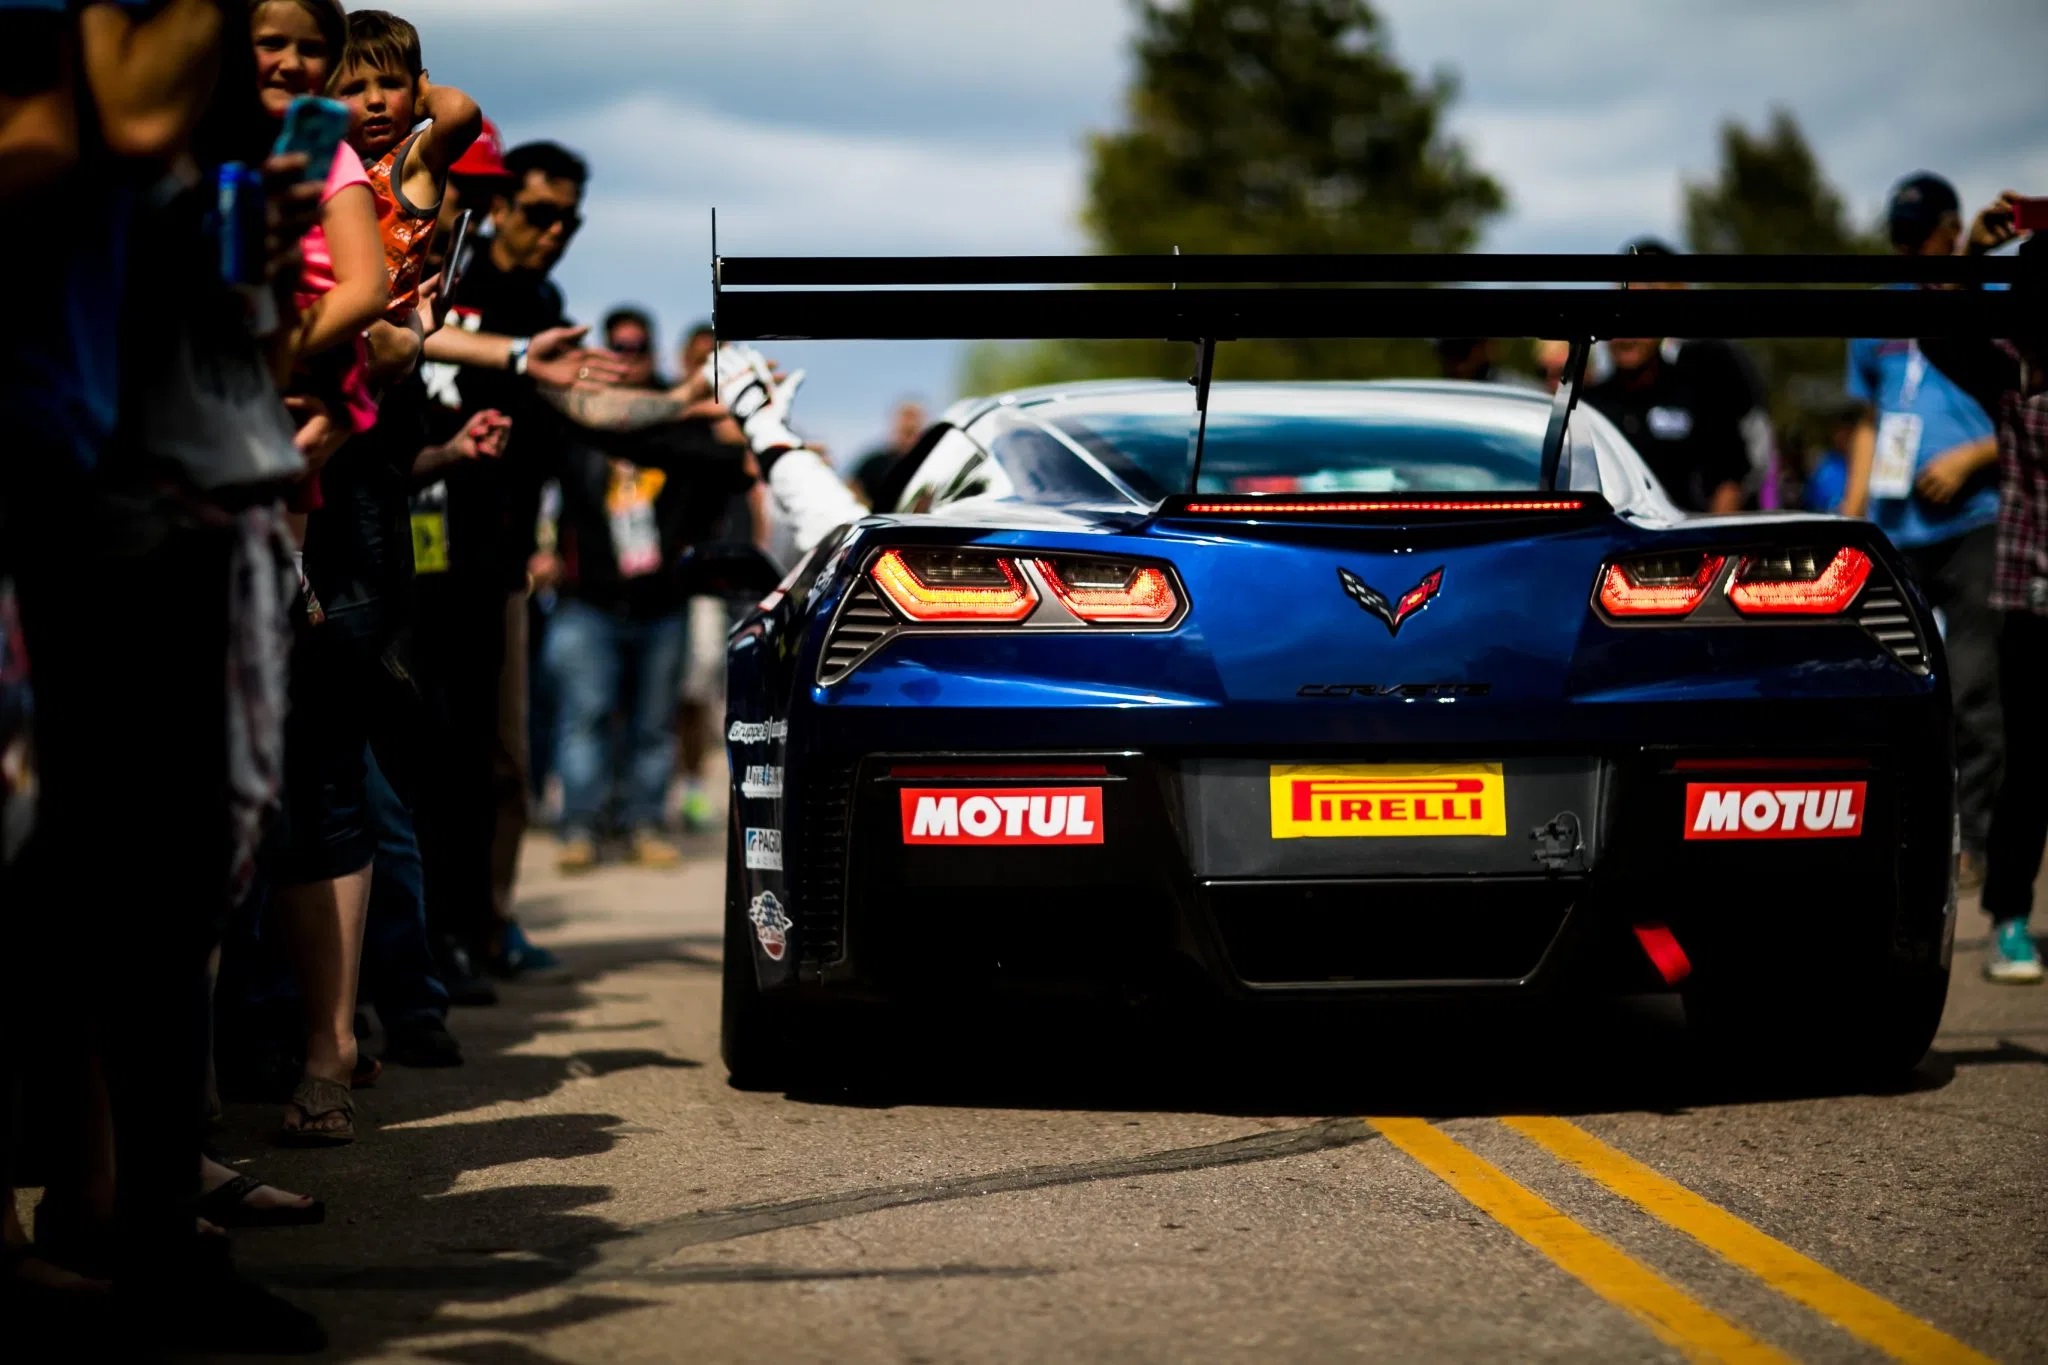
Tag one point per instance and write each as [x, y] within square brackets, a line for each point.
[1893, 377]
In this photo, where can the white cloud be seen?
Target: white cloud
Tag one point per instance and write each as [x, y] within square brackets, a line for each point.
[858, 126]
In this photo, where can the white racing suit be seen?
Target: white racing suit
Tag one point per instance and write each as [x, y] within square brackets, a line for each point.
[809, 492]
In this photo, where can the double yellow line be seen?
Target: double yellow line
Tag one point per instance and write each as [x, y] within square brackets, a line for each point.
[1674, 1316]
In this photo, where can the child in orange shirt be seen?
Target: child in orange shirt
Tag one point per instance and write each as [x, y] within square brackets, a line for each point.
[383, 81]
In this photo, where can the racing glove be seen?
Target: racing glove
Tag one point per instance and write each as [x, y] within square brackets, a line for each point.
[809, 492]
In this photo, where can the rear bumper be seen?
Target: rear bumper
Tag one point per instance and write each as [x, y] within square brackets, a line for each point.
[1155, 908]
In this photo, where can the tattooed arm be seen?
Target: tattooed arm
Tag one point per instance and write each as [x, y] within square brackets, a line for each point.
[604, 407]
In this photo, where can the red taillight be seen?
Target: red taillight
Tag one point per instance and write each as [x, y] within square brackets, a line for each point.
[954, 585]
[1669, 586]
[1797, 583]
[1282, 507]
[1110, 590]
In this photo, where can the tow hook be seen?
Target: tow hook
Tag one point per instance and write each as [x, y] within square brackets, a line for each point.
[1559, 844]
[1661, 946]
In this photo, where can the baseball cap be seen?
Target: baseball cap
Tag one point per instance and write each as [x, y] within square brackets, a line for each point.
[1916, 207]
[485, 157]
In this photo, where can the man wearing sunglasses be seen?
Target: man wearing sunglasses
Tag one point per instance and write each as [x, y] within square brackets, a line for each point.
[472, 619]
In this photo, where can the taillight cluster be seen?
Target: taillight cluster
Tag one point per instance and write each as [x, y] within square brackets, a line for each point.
[984, 587]
[1800, 582]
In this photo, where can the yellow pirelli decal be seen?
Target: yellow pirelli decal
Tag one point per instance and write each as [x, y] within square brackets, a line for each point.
[1388, 801]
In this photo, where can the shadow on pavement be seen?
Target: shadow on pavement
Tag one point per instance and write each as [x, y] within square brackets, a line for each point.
[400, 1222]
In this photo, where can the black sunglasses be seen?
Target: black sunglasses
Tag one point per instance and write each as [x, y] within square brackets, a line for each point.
[542, 216]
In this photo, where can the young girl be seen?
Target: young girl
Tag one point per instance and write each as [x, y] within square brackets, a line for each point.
[319, 865]
[343, 287]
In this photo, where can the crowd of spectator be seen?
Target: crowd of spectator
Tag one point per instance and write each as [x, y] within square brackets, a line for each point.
[271, 534]
[338, 550]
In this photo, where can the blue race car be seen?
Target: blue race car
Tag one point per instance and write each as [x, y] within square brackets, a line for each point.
[1411, 689]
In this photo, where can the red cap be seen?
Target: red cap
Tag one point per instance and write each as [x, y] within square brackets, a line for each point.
[485, 158]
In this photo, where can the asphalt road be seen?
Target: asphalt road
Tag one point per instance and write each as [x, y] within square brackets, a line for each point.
[588, 1188]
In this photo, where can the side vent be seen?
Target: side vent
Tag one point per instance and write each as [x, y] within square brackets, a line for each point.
[863, 625]
[819, 889]
[1884, 614]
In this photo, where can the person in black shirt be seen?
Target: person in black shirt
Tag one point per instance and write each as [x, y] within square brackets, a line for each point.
[1679, 419]
[618, 640]
[872, 469]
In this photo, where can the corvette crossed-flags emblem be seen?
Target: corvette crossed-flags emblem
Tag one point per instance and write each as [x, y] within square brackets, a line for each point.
[1392, 614]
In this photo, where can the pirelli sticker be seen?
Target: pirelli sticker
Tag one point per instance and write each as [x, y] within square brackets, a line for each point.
[1389, 801]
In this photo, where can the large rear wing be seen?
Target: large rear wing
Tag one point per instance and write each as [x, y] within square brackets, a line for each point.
[1212, 298]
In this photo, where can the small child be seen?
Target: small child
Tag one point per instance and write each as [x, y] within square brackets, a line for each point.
[383, 82]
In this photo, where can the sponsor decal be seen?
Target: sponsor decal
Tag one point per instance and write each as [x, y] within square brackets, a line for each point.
[1002, 815]
[1774, 810]
[764, 849]
[757, 732]
[1439, 691]
[761, 783]
[1392, 614]
[1388, 801]
[771, 925]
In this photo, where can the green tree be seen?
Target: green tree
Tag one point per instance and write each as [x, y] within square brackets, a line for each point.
[1768, 197]
[1266, 126]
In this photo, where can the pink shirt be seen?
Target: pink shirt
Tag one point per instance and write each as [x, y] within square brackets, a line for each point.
[316, 277]
[317, 274]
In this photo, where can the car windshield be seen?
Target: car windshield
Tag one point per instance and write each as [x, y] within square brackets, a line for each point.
[1321, 440]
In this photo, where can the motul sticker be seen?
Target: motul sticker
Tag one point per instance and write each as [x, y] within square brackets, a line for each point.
[771, 925]
[764, 849]
[1388, 801]
[1002, 815]
[1771, 810]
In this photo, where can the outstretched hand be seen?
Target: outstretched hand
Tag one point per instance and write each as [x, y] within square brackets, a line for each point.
[557, 356]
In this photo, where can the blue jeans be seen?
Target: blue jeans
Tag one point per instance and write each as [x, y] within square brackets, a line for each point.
[399, 975]
[602, 664]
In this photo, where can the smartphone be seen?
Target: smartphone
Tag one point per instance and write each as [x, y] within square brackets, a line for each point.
[314, 125]
[452, 264]
[2030, 215]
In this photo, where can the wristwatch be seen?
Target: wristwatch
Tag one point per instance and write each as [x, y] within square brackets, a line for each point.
[518, 352]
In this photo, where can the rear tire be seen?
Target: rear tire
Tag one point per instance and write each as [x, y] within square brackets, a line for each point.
[758, 1038]
[1871, 1031]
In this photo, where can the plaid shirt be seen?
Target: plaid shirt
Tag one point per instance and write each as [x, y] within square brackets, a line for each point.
[2020, 580]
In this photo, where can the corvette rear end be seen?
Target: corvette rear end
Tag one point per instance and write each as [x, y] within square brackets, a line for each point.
[1334, 748]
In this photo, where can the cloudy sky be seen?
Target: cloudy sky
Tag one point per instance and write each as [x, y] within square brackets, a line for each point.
[854, 127]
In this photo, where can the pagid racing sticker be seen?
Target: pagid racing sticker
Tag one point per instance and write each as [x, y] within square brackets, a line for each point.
[1771, 810]
[1002, 816]
[764, 850]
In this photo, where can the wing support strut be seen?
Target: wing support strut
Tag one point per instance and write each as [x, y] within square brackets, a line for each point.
[1205, 371]
[1569, 383]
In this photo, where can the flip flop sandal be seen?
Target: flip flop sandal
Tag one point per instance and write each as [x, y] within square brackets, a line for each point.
[368, 1069]
[227, 1206]
[316, 1099]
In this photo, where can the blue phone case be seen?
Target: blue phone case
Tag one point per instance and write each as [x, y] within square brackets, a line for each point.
[315, 125]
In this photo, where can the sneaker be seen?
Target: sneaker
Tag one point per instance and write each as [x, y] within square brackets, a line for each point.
[651, 850]
[459, 975]
[697, 813]
[423, 1042]
[578, 855]
[2013, 959]
[520, 955]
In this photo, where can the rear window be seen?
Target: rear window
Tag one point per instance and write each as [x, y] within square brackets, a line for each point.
[1316, 441]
